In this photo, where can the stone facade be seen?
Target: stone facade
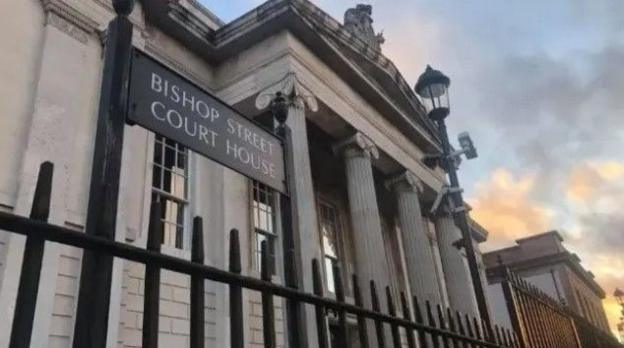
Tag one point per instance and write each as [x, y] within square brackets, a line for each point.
[360, 135]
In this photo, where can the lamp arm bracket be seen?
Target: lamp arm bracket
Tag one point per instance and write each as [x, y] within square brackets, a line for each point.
[438, 201]
[454, 189]
[457, 153]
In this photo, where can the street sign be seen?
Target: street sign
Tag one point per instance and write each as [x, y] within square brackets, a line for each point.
[164, 102]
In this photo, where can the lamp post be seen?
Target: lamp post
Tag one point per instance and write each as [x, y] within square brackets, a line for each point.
[280, 106]
[432, 87]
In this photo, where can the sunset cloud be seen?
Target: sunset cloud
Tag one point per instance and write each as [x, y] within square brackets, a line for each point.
[592, 178]
[503, 205]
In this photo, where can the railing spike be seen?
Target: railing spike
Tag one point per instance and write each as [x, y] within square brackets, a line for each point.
[396, 336]
[498, 338]
[237, 332]
[407, 315]
[28, 287]
[151, 299]
[357, 299]
[321, 323]
[198, 286]
[342, 317]
[268, 310]
[418, 317]
[377, 308]
[432, 323]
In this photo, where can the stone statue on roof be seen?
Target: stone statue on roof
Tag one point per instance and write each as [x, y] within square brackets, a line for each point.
[358, 21]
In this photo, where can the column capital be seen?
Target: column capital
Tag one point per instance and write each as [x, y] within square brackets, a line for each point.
[406, 181]
[291, 88]
[357, 145]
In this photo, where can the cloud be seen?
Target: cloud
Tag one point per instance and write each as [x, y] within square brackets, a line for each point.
[503, 205]
[596, 193]
[591, 179]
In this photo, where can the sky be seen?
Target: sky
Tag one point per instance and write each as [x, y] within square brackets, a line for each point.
[539, 86]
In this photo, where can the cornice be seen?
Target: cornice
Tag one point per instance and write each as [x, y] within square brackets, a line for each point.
[66, 18]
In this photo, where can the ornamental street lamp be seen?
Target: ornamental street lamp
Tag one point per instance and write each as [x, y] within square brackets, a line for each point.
[432, 87]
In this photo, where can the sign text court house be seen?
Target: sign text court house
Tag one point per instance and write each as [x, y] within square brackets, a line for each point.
[168, 104]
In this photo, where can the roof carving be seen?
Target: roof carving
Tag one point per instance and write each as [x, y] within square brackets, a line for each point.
[359, 21]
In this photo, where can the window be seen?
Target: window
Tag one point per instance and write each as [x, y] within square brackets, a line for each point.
[263, 218]
[170, 187]
[329, 222]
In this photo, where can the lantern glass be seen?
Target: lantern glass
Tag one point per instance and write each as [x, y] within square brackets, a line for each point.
[432, 87]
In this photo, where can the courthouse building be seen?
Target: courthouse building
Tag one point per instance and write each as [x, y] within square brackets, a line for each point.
[364, 195]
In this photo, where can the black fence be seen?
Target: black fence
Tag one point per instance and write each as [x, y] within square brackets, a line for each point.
[592, 337]
[429, 325]
[543, 322]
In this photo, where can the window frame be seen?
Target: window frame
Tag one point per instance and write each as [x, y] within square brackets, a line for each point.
[185, 202]
[341, 255]
[272, 236]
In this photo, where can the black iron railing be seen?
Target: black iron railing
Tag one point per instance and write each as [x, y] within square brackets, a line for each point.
[430, 325]
[543, 322]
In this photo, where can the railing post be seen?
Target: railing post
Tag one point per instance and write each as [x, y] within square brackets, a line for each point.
[477, 329]
[237, 331]
[28, 287]
[452, 327]
[462, 331]
[469, 330]
[151, 300]
[396, 335]
[268, 310]
[442, 322]
[512, 307]
[432, 323]
[91, 324]
[498, 337]
[198, 286]
[342, 317]
[418, 317]
[409, 333]
[379, 330]
[321, 323]
[361, 321]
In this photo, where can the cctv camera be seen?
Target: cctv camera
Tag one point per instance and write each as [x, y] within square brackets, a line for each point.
[466, 144]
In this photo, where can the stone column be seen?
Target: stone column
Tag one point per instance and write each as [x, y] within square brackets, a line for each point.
[370, 258]
[418, 254]
[458, 283]
[306, 226]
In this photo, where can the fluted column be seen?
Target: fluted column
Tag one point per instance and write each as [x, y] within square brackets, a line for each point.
[371, 262]
[458, 283]
[418, 254]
